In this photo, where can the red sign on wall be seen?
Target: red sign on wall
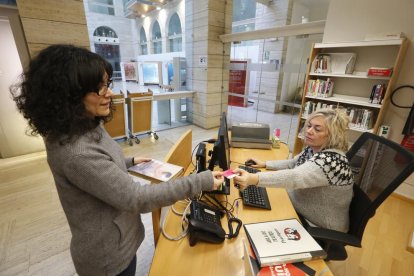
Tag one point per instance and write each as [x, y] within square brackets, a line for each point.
[237, 82]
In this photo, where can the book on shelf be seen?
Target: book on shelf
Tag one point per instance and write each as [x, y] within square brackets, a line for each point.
[379, 71]
[335, 63]
[311, 107]
[377, 93]
[156, 170]
[322, 63]
[319, 88]
[282, 241]
[251, 267]
[360, 118]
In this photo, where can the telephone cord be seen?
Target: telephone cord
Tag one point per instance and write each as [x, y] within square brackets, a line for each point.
[184, 227]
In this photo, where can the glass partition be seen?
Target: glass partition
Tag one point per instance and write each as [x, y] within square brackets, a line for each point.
[266, 80]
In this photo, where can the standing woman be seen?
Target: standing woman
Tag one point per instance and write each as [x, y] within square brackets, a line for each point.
[319, 179]
[65, 95]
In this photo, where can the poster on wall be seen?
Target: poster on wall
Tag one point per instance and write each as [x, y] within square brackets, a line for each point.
[129, 71]
[237, 82]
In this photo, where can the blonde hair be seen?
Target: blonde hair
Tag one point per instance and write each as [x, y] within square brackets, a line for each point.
[336, 122]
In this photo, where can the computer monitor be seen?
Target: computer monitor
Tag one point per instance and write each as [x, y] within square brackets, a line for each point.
[221, 153]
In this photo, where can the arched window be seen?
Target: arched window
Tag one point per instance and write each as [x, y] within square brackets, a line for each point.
[175, 34]
[107, 45]
[104, 31]
[156, 38]
[143, 41]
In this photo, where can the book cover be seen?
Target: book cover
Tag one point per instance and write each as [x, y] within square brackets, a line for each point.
[377, 71]
[157, 170]
[282, 241]
[252, 268]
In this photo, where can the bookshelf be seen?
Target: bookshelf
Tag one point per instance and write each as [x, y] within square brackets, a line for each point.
[353, 89]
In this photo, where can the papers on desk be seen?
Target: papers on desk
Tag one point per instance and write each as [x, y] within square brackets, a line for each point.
[281, 242]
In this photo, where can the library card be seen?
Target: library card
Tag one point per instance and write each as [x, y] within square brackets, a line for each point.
[229, 174]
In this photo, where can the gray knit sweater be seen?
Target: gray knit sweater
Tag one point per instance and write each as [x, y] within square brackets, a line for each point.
[319, 186]
[103, 204]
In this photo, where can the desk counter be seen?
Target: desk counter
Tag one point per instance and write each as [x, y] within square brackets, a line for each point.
[179, 258]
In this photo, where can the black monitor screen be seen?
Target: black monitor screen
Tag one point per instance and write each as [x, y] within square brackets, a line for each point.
[221, 153]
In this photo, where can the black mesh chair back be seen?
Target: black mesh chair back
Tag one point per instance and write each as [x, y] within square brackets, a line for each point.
[379, 166]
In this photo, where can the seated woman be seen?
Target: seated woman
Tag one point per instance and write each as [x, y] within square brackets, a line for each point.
[319, 179]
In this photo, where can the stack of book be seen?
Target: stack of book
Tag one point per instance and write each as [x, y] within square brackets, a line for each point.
[281, 242]
[319, 88]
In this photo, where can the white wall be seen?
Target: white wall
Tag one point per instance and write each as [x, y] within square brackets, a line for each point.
[352, 20]
[163, 17]
[13, 140]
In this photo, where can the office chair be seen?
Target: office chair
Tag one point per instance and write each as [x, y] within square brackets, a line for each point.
[379, 166]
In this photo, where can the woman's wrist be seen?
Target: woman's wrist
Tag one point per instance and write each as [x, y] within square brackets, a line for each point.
[254, 179]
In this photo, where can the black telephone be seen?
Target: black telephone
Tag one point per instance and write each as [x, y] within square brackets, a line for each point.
[204, 224]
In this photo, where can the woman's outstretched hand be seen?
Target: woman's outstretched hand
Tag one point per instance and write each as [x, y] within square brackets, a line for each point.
[244, 179]
[218, 179]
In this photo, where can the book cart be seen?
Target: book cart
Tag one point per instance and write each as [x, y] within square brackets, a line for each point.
[139, 115]
[116, 127]
[342, 70]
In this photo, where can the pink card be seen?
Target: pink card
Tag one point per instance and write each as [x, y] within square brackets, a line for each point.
[229, 174]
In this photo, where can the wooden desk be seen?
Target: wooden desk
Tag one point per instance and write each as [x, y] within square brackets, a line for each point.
[178, 258]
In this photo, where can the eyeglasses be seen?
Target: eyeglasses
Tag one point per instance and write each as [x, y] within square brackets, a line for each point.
[104, 89]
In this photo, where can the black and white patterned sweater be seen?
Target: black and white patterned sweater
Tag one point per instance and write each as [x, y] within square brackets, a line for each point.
[319, 185]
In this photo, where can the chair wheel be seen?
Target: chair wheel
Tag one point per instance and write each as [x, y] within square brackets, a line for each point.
[130, 142]
[155, 136]
[137, 140]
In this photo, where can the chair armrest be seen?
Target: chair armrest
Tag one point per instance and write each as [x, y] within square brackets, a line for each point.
[333, 236]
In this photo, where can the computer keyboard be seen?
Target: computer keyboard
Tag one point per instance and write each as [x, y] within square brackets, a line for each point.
[255, 196]
[249, 169]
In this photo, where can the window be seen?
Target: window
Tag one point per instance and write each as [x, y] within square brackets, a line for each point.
[102, 6]
[8, 2]
[143, 41]
[244, 9]
[104, 31]
[175, 34]
[156, 38]
[107, 46]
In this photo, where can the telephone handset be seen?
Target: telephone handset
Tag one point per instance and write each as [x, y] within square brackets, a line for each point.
[204, 224]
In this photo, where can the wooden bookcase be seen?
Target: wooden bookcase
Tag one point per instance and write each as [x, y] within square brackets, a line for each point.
[354, 90]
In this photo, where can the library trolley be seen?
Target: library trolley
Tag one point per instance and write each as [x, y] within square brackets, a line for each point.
[116, 127]
[139, 115]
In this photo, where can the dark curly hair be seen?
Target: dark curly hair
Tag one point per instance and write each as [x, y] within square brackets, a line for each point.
[51, 90]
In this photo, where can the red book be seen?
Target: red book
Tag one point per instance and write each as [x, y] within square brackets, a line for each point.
[382, 72]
